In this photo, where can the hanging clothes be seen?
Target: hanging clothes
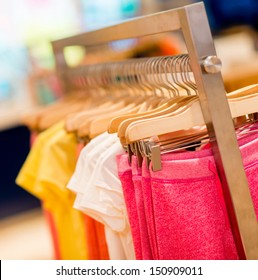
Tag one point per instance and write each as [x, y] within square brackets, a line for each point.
[184, 206]
[99, 193]
[45, 174]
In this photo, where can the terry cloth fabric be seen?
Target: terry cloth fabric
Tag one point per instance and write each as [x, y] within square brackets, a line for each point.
[148, 208]
[189, 209]
[144, 236]
[125, 175]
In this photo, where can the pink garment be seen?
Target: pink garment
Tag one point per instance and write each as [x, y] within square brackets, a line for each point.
[125, 175]
[189, 209]
[242, 138]
[248, 144]
[184, 205]
[148, 208]
[249, 152]
[188, 198]
[145, 239]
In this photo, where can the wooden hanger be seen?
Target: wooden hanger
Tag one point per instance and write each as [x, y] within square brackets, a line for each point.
[83, 129]
[145, 103]
[104, 105]
[176, 136]
[190, 116]
[31, 117]
[175, 104]
[115, 122]
[49, 118]
[133, 127]
[242, 92]
[87, 128]
[100, 124]
[73, 121]
[127, 102]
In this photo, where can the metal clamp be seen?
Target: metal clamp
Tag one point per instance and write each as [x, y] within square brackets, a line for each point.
[212, 64]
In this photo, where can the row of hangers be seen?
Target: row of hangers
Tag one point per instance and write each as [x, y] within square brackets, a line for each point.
[151, 103]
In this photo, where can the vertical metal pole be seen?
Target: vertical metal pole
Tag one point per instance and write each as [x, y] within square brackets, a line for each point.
[219, 122]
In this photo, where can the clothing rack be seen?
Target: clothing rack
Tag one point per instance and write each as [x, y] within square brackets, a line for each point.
[192, 22]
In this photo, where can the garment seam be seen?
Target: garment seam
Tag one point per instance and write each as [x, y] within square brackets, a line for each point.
[189, 180]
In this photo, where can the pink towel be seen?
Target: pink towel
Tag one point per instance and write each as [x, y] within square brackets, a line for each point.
[188, 198]
[189, 209]
[145, 239]
[184, 206]
[249, 152]
[148, 208]
[125, 175]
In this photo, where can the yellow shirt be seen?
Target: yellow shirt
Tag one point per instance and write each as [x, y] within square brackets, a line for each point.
[45, 174]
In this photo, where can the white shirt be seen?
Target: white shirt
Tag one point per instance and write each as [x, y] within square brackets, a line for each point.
[111, 207]
[100, 195]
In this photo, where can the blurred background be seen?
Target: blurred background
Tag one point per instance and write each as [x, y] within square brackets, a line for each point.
[27, 79]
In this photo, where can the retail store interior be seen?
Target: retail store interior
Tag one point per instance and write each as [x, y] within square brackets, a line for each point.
[29, 81]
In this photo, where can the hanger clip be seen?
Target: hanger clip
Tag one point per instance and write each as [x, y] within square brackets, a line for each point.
[138, 154]
[130, 153]
[155, 156]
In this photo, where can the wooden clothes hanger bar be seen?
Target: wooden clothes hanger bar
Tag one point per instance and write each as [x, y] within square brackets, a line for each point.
[192, 22]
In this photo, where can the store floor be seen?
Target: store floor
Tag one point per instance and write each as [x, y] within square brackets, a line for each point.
[25, 237]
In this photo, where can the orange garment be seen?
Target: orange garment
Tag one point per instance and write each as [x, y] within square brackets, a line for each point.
[96, 240]
[91, 238]
[95, 233]
[54, 235]
[103, 249]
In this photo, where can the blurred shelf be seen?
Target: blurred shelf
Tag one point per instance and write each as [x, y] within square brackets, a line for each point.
[25, 237]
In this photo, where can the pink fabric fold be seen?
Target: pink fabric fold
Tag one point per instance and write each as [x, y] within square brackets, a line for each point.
[144, 236]
[125, 176]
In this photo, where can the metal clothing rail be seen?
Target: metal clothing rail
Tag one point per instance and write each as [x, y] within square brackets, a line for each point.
[192, 22]
[139, 72]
